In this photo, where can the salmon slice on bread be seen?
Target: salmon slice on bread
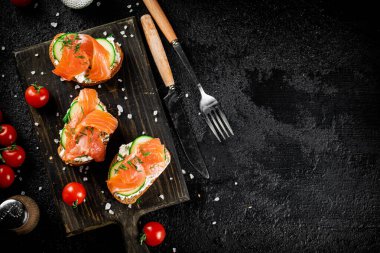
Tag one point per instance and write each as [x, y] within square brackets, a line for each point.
[136, 167]
[83, 59]
[87, 130]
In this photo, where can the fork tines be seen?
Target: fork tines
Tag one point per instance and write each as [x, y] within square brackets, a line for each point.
[217, 120]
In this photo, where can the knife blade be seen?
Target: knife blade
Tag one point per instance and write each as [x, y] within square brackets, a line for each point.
[173, 100]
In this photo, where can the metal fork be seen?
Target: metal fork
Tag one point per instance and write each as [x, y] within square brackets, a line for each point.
[209, 106]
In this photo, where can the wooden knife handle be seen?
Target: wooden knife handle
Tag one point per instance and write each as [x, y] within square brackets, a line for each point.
[157, 50]
[161, 19]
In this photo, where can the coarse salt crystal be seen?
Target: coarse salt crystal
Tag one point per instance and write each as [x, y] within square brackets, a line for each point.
[42, 73]
[99, 86]
[108, 206]
[130, 10]
[85, 179]
[64, 168]
[125, 98]
[250, 207]
[56, 141]
[2, 48]
[87, 168]
[170, 178]
[40, 188]
[162, 196]
[119, 109]
[35, 5]
[76, 87]
[183, 171]
[125, 36]
[22, 193]
[155, 112]
[18, 171]
[214, 222]
[111, 212]
[57, 14]
[120, 80]
[143, 132]
[37, 148]
[155, 119]
[57, 114]
[236, 183]
[98, 4]
[132, 35]
[191, 176]
[20, 178]
[71, 96]
[50, 158]
[36, 124]
[137, 4]
[122, 89]
[129, 6]
[36, 55]
[130, 206]
[199, 195]
[54, 24]
[102, 192]
[129, 116]
[122, 32]
[2, 75]
[15, 96]
[125, 27]
[216, 199]
[105, 33]
[186, 95]
[33, 72]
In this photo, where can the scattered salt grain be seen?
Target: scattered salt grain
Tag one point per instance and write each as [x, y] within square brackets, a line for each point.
[2, 75]
[137, 4]
[15, 96]
[120, 80]
[50, 158]
[40, 188]
[76, 87]
[102, 192]
[33, 72]
[99, 86]
[20, 178]
[108, 206]
[250, 207]
[132, 35]
[119, 110]
[56, 141]
[129, 116]
[36, 124]
[191, 176]
[71, 96]
[155, 112]
[22, 193]
[214, 222]
[36, 55]
[155, 119]
[122, 32]
[85, 179]
[57, 14]
[42, 73]
[199, 195]
[98, 4]
[129, 6]
[64, 168]
[199, 113]
[130, 10]
[62, 79]
[2, 48]
[125, 36]
[57, 114]
[37, 148]
[162, 196]
[125, 27]
[87, 168]
[184, 172]
[216, 199]
[187, 95]
[18, 171]
[54, 24]
[143, 132]
[130, 206]
[171, 178]
[125, 98]
[122, 89]
[111, 212]
[236, 183]
[105, 33]
[35, 5]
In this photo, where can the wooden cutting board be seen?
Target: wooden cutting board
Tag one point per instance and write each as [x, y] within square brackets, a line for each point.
[134, 89]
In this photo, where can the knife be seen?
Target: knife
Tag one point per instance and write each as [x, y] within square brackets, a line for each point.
[173, 100]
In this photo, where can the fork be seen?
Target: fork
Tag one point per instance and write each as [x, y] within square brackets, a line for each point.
[209, 106]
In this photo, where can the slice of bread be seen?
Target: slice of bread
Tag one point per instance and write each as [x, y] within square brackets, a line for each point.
[134, 197]
[114, 70]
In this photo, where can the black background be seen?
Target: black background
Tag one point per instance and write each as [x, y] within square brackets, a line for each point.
[299, 82]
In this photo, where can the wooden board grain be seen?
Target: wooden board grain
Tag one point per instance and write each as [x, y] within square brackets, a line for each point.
[134, 89]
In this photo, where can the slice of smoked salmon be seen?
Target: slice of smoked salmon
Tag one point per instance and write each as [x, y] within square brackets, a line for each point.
[100, 69]
[151, 153]
[128, 178]
[88, 100]
[71, 64]
[100, 120]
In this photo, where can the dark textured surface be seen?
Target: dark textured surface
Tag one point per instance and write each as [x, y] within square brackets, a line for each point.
[300, 86]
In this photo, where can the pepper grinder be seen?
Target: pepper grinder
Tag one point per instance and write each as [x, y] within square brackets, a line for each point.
[19, 214]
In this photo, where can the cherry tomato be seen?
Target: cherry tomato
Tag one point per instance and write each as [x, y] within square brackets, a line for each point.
[7, 176]
[13, 156]
[36, 95]
[21, 3]
[73, 194]
[8, 135]
[154, 234]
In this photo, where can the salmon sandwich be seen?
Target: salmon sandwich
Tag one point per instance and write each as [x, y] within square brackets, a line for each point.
[135, 168]
[83, 59]
[87, 130]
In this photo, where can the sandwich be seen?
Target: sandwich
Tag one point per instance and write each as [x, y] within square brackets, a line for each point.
[81, 58]
[135, 168]
[87, 130]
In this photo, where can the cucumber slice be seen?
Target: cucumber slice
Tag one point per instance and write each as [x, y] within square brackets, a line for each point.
[75, 109]
[110, 48]
[113, 171]
[100, 107]
[137, 141]
[63, 138]
[58, 45]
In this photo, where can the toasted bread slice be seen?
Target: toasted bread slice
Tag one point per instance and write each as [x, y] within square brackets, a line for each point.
[134, 197]
[114, 69]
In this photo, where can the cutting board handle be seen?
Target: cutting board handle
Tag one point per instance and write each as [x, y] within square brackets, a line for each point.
[161, 19]
[157, 50]
[130, 235]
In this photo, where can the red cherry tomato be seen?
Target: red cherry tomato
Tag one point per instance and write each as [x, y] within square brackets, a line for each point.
[36, 95]
[13, 156]
[154, 234]
[73, 194]
[21, 3]
[7, 176]
[8, 135]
